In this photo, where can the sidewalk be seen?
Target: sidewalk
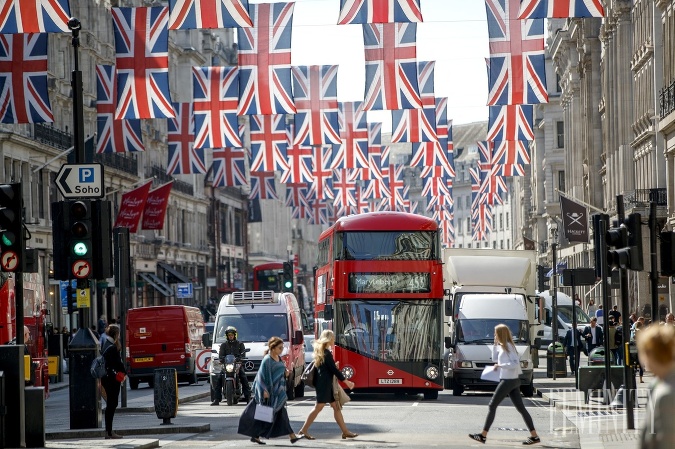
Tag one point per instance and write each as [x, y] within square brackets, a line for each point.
[599, 426]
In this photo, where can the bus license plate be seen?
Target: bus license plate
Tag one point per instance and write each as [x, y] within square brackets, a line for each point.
[390, 381]
[143, 359]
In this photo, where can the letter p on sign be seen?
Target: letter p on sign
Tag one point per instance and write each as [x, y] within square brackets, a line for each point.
[86, 175]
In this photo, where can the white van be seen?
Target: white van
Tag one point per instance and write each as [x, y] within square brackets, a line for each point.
[257, 316]
[564, 317]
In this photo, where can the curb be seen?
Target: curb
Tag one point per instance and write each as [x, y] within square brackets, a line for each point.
[133, 444]
[100, 433]
[559, 404]
[151, 408]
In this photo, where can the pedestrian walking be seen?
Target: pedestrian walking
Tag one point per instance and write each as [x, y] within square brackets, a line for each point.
[593, 335]
[655, 347]
[269, 389]
[592, 308]
[114, 377]
[573, 346]
[614, 313]
[326, 371]
[670, 319]
[635, 336]
[507, 362]
[600, 315]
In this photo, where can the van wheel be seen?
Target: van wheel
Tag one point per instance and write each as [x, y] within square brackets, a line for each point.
[431, 395]
[133, 383]
[300, 390]
[151, 383]
[193, 378]
[290, 389]
[528, 390]
[447, 383]
[457, 390]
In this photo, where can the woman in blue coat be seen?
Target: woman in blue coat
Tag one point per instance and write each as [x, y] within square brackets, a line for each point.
[326, 370]
[269, 389]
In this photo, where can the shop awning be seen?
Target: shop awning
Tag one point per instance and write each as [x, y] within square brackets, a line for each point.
[158, 284]
[173, 272]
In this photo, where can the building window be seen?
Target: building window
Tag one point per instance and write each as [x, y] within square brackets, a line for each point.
[468, 225]
[459, 246]
[501, 222]
[507, 220]
[486, 244]
[557, 83]
[561, 180]
[494, 244]
[468, 245]
[560, 132]
[468, 201]
[508, 244]
[501, 244]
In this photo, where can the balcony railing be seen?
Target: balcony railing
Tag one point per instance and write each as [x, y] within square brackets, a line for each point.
[52, 136]
[160, 174]
[667, 99]
[118, 161]
[646, 196]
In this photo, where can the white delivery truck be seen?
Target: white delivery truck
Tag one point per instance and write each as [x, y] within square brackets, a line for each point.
[488, 287]
[257, 316]
[564, 317]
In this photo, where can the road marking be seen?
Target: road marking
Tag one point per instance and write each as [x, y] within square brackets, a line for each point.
[415, 404]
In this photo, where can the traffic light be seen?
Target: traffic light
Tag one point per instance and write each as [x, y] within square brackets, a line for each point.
[102, 239]
[12, 243]
[72, 230]
[287, 277]
[543, 283]
[626, 238]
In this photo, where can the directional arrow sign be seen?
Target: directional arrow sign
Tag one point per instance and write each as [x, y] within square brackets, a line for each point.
[80, 180]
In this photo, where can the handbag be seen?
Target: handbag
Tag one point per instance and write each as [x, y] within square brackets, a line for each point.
[340, 395]
[263, 413]
[308, 374]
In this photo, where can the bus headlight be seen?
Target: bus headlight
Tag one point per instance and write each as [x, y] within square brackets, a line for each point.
[431, 372]
[348, 372]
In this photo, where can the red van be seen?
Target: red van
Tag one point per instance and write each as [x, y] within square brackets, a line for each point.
[163, 337]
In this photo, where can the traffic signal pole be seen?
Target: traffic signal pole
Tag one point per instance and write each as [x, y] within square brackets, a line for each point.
[653, 272]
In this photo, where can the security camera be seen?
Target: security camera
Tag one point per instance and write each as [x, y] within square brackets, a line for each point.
[74, 24]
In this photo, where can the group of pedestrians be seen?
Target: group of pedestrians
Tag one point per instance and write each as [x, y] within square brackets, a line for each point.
[269, 390]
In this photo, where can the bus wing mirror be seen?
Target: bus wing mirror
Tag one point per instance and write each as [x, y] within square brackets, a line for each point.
[448, 307]
[297, 338]
[328, 312]
[206, 339]
[448, 342]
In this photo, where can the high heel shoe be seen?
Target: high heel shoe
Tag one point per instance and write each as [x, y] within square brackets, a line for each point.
[306, 436]
[349, 435]
[297, 438]
[257, 440]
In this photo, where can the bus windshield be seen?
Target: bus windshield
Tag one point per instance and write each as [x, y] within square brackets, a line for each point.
[253, 327]
[269, 280]
[390, 330]
[386, 245]
[483, 330]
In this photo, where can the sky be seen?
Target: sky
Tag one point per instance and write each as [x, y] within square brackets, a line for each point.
[454, 34]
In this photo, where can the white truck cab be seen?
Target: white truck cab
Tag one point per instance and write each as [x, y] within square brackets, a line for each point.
[564, 304]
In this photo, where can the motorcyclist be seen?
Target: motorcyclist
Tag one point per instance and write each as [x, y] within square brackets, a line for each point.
[234, 347]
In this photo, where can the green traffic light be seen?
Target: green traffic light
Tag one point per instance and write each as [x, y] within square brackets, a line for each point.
[8, 238]
[80, 249]
[288, 284]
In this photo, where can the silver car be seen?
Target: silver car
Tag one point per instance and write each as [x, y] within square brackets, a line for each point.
[309, 348]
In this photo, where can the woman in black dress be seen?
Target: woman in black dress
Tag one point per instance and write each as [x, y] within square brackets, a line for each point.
[326, 368]
[115, 375]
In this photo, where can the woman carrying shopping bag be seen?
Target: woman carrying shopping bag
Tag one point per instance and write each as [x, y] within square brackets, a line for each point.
[269, 389]
[326, 372]
[114, 377]
[507, 359]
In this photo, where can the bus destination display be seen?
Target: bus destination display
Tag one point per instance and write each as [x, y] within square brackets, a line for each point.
[389, 283]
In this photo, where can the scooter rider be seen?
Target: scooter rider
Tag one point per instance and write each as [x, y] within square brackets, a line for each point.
[236, 348]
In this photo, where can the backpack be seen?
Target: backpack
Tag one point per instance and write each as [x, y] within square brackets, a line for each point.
[98, 368]
[308, 375]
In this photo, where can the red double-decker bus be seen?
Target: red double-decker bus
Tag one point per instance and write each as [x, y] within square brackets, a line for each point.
[379, 287]
[268, 276]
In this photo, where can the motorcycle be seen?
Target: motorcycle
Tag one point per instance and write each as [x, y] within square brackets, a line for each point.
[226, 369]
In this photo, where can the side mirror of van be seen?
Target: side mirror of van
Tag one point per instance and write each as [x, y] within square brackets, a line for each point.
[328, 312]
[206, 339]
[448, 342]
[448, 307]
[537, 343]
[297, 338]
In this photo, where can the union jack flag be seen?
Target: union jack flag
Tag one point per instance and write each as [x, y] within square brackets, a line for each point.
[301, 212]
[263, 186]
[315, 92]
[192, 14]
[319, 212]
[511, 122]
[481, 219]
[435, 184]
[451, 149]
[296, 194]
[394, 176]
[446, 219]
[344, 189]
[24, 97]
[264, 56]
[516, 69]
[384, 159]
[418, 125]
[142, 63]
[215, 101]
[299, 160]
[353, 151]
[374, 169]
[184, 159]
[379, 11]
[509, 169]
[114, 136]
[377, 188]
[540, 9]
[362, 205]
[268, 143]
[323, 174]
[441, 104]
[229, 167]
[34, 16]
[511, 153]
[391, 66]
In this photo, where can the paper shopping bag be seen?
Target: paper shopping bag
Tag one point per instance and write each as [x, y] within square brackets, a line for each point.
[263, 413]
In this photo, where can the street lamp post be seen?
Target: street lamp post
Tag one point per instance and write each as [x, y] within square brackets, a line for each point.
[553, 229]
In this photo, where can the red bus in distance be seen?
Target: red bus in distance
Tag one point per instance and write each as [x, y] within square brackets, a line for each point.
[379, 287]
[268, 276]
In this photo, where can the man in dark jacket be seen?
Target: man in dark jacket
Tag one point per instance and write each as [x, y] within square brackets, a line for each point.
[573, 346]
[234, 347]
[593, 335]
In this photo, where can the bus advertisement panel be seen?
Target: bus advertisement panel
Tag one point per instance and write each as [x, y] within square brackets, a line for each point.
[379, 287]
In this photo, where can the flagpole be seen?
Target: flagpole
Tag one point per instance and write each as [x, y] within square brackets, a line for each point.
[563, 194]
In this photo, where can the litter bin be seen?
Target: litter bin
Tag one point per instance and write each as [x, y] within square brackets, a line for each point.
[556, 360]
[166, 394]
[85, 406]
[597, 357]
[35, 416]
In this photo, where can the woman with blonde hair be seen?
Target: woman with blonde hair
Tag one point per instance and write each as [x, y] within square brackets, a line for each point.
[269, 389]
[326, 370]
[507, 359]
[656, 346]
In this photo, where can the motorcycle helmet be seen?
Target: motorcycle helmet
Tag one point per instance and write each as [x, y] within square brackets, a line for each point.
[231, 330]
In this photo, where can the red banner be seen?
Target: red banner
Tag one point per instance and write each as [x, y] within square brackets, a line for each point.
[132, 206]
[155, 207]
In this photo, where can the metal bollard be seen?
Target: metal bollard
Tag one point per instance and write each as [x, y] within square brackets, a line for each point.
[166, 394]
[85, 404]
[11, 363]
[35, 417]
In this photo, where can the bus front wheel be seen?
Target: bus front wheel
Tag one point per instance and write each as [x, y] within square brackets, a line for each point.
[431, 395]
[457, 390]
